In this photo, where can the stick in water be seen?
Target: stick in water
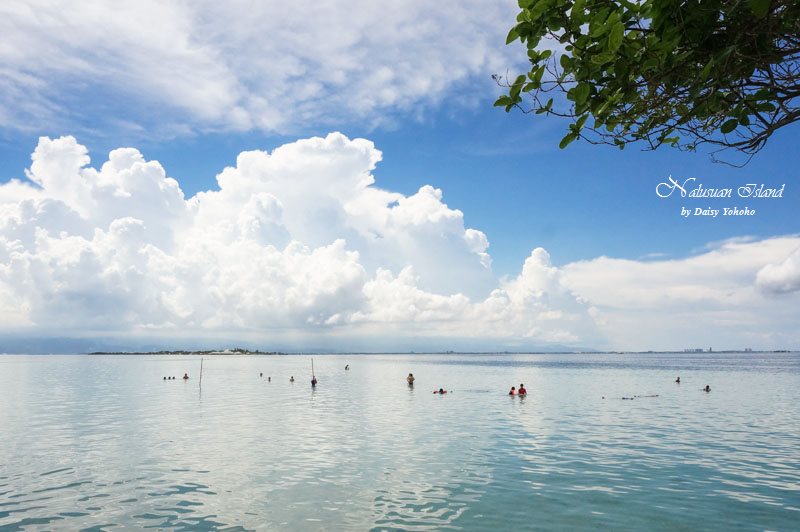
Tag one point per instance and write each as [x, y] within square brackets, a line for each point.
[201, 372]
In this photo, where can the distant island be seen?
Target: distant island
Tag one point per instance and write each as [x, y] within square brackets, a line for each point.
[235, 351]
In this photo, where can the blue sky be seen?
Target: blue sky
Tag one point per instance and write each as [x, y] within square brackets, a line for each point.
[506, 173]
[581, 252]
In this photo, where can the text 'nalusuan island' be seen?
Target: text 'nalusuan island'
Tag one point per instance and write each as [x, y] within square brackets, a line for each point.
[691, 189]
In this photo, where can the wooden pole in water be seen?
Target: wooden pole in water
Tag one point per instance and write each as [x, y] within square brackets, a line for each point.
[201, 372]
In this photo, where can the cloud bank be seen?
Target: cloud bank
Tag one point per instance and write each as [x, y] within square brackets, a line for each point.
[300, 243]
[299, 239]
[721, 298]
[273, 66]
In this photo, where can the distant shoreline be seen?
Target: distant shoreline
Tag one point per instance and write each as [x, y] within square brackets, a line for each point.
[190, 352]
[257, 352]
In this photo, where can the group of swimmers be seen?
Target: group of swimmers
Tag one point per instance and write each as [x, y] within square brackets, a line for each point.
[441, 391]
[522, 391]
[410, 380]
[706, 389]
[185, 377]
[291, 379]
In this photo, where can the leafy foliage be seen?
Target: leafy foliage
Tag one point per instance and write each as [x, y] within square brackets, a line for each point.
[676, 72]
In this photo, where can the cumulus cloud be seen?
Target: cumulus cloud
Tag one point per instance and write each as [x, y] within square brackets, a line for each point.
[301, 242]
[781, 277]
[298, 239]
[241, 65]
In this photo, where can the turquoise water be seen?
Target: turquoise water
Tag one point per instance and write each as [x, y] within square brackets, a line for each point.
[102, 441]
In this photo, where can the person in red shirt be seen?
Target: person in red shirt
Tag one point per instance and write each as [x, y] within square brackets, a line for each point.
[513, 391]
[522, 390]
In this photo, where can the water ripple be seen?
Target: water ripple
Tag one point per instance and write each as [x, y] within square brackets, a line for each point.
[94, 443]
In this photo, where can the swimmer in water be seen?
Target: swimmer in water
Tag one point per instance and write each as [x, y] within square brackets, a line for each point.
[678, 380]
[347, 367]
[410, 379]
[291, 379]
[441, 391]
[707, 388]
[513, 391]
[185, 376]
[522, 390]
[313, 381]
[260, 374]
[269, 379]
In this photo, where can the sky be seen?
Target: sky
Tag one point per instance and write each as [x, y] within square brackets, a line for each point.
[333, 176]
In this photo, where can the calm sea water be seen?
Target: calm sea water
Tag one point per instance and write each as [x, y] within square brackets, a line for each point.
[97, 442]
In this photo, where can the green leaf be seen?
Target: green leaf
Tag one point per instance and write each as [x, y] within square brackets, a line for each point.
[565, 61]
[729, 125]
[706, 70]
[760, 8]
[582, 120]
[502, 101]
[615, 37]
[536, 74]
[598, 29]
[537, 9]
[567, 140]
[576, 12]
[582, 91]
[512, 35]
[602, 59]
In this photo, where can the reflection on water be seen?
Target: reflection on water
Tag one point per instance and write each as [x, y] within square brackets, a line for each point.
[97, 442]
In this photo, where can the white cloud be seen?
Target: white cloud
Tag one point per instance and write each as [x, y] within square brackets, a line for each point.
[301, 242]
[240, 65]
[709, 299]
[298, 239]
[781, 277]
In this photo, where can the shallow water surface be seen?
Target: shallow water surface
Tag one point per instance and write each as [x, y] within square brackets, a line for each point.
[97, 442]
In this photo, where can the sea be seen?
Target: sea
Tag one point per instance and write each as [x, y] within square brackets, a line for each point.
[601, 441]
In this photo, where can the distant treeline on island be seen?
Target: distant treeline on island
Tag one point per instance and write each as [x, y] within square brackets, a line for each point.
[236, 351]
